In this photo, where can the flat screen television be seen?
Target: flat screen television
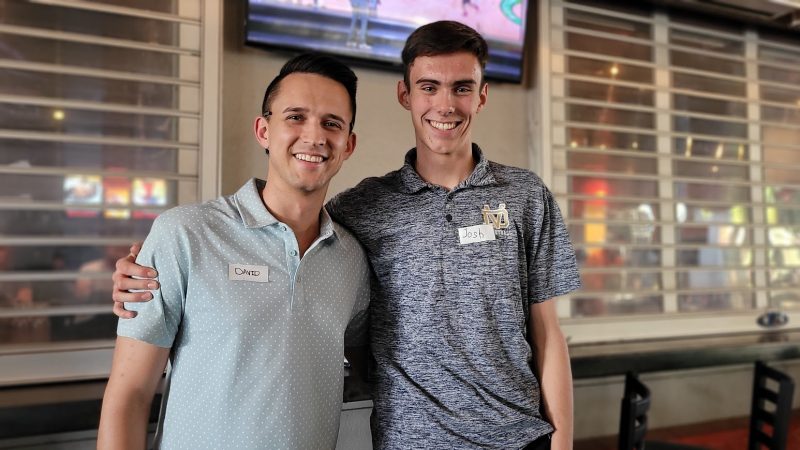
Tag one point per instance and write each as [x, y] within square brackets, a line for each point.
[374, 31]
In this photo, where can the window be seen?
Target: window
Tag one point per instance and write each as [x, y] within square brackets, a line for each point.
[675, 148]
[101, 120]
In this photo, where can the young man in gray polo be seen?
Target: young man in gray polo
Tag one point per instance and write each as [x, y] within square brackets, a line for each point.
[255, 292]
[466, 254]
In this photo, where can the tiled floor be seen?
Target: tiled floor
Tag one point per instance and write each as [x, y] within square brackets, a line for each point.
[719, 435]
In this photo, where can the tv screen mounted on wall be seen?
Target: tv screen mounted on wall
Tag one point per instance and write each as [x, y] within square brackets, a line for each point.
[374, 31]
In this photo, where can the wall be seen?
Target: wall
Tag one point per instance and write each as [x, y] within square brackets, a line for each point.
[383, 127]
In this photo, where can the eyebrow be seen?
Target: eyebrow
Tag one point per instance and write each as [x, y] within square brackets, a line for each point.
[439, 83]
[300, 109]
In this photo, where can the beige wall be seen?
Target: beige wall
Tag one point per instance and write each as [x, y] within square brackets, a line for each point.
[383, 127]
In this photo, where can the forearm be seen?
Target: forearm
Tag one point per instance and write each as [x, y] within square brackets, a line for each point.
[135, 373]
[555, 377]
[123, 421]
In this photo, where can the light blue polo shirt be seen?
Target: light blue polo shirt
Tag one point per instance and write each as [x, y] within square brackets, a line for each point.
[257, 333]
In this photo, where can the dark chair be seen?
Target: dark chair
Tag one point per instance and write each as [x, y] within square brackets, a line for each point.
[771, 408]
[633, 416]
[633, 419]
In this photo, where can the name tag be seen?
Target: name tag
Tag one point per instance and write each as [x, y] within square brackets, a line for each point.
[242, 272]
[477, 233]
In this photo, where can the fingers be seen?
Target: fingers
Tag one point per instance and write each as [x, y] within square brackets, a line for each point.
[132, 284]
[127, 268]
[122, 313]
[136, 248]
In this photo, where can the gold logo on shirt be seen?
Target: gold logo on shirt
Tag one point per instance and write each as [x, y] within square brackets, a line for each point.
[497, 218]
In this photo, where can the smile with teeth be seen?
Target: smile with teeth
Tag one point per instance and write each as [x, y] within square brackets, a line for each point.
[310, 158]
[444, 126]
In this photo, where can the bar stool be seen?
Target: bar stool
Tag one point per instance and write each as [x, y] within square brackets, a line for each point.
[771, 408]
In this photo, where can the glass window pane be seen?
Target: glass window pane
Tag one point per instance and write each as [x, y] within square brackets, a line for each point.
[607, 24]
[733, 235]
[129, 221]
[614, 210]
[728, 257]
[780, 136]
[779, 75]
[708, 84]
[714, 279]
[621, 281]
[786, 299]
[706, 126]
[31, 14]
[780, 95]
[605, 139]
[102, 57]
[704, 62]
[610, 116]
[617, 256]
[779, 55]
[610, 93]
[61, 86]
[696, 169]
[712, 193]
[715, 301]
[80, 190]
[707, 42]
[612, 47]
[148, 5]
[25, 153]
[95, 123]
[593, 306]
[725, 213]
[599, 162]
[689, 147]
[16, 261]
[605, 69]
[601, 187]
[783, 115]
[706, 105]
[604, 233]
[67, 328]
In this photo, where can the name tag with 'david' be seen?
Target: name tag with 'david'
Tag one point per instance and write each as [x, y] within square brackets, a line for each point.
[477, 233]
[243, 272]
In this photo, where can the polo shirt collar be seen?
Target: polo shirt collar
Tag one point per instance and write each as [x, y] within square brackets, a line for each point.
[255, 215]
[411, 182]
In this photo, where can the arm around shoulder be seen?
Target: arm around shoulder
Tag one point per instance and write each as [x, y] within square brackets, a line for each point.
[135, 374]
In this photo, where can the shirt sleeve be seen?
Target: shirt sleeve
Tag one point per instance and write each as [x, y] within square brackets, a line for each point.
[157, 321]
[552, 267]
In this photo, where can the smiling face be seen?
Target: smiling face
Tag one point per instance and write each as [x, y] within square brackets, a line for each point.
[307, 133]
[443, 96]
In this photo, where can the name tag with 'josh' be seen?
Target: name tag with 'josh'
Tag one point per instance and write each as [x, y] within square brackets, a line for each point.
[477, 233]
[243, 272]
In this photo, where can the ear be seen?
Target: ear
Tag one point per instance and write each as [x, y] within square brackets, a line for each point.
[402, 95]
[261, 131]
[351, 146]
[483, 95]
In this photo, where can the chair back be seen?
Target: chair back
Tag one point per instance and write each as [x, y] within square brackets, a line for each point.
[633, 416]
[771, 408]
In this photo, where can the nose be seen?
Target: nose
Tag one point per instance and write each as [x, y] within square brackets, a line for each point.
[313, 134]
[444, 103]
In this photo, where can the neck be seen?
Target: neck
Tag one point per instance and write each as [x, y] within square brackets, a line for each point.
[300, 211]
[447, 170]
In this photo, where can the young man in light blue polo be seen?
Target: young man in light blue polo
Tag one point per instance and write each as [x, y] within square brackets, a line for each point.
[255, 292]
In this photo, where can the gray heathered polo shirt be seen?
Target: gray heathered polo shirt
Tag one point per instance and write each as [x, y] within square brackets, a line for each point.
[256, 332]
[448, 321]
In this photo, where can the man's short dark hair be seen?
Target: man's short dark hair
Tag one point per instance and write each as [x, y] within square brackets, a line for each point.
[314, 63]
[442, 38]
